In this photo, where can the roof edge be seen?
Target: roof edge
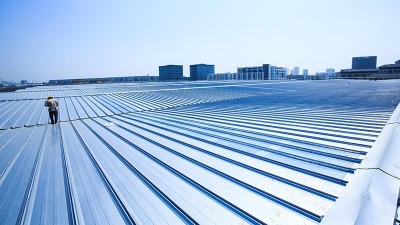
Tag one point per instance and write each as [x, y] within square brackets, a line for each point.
[372, 193]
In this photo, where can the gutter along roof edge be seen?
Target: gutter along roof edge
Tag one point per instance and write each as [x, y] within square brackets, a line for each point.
[371, 195]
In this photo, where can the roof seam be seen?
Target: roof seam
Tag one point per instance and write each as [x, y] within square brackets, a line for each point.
[387, 173]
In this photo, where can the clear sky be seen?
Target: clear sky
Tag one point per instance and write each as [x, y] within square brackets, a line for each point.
[42, 40]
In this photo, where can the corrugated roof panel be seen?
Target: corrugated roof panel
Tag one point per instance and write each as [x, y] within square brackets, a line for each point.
[241, 170]
[18, 160]
[49, 199]
[232, 153]
[82, 114]
[199, 176]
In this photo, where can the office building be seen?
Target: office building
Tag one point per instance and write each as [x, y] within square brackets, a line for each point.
[305, 72]
[366, 62]
[264, 72]
[296, 71]
[330, 71]
[201, 71]
[253, 72]
[222, 76]
[170, 72]
[397, 62]
[277, 73]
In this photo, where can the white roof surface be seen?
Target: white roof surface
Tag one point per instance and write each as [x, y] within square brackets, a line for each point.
[256, 152]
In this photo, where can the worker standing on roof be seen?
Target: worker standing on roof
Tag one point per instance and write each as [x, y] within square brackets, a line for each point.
[53, 110]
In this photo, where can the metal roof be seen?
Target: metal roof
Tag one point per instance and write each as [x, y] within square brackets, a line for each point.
[193, 152]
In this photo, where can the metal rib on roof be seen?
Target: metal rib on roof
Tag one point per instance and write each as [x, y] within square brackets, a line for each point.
[207, 155]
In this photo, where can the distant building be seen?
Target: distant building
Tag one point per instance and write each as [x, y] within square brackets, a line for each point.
[305, 72]
[325, 75]
[170, 72]
[366, 62]
[277, 73]
[201, 71]
[357, 74]
[296, 71]
[24, 82]
[330, 71]
[390, 71]
[100, 80]
[295, 77]
[253, 72]
[264, 72]
[222, 76]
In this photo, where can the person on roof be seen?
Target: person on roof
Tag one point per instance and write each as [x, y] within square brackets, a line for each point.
[53, 110]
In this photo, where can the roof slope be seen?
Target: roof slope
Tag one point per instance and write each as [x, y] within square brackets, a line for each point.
[200, 153]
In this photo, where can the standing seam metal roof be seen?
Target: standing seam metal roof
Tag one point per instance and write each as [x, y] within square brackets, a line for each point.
[191, 156]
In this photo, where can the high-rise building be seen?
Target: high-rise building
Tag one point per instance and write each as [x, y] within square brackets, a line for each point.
[201, 71]
[365, 62]
[305, 72]
[170, 72]
[397, 62]
[330, 71]
[296, 70]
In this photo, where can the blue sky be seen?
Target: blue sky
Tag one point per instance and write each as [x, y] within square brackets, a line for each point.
[42, 40]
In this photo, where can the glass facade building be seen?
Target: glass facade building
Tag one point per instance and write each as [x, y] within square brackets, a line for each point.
[170, 72]
[366, 62]
[201, 71]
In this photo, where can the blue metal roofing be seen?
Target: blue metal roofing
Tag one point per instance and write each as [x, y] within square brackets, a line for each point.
[197, 153]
